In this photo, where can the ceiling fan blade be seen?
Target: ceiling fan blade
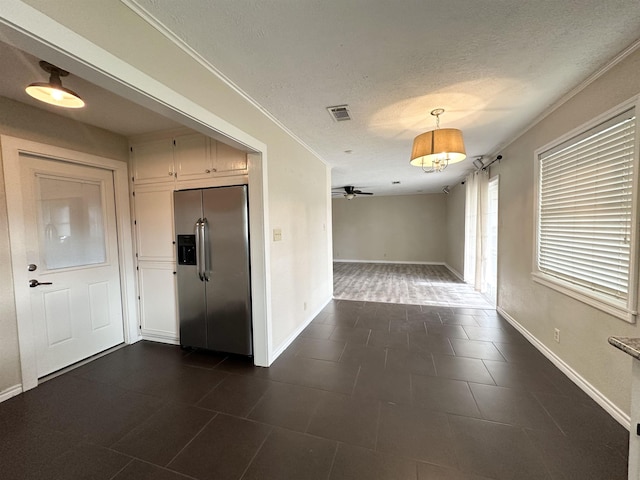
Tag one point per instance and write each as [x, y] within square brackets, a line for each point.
[363, 193]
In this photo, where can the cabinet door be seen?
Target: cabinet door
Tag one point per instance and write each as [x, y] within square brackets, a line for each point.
[153, 207]
[153, 161]
[158, 317]
[191, 155]
[228, 160]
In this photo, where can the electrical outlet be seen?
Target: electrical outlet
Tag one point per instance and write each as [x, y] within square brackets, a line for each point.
[556, 334]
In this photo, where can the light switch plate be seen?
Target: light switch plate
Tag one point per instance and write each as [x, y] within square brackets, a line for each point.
[277, 234]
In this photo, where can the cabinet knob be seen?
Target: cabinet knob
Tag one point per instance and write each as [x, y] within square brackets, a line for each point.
[207, 171]
[171, 174]
[214, 170]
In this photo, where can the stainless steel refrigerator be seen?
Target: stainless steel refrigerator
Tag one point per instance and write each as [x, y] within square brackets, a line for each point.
[214, 297]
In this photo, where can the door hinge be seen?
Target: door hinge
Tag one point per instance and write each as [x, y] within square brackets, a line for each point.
[133, 194]
[135, 222]
[138, 268]
[133, 179]
[174, 142]
[131, 149]
[138, 297]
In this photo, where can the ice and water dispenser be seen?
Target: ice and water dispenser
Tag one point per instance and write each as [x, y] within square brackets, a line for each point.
[186, 250]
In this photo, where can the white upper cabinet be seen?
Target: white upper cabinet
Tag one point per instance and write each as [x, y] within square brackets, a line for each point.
[192, 157]
[229, 161]
[184, 157]
[152, 161]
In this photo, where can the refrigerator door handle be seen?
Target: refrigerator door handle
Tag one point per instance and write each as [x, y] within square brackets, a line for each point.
[204, 241]
[199, 248]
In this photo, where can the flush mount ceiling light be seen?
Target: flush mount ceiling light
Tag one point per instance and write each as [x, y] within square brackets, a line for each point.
[53, 92]
[436, 149]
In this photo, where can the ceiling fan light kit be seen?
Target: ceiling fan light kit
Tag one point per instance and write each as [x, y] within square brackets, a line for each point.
[350, 192]
[53, 92]
[436, 149]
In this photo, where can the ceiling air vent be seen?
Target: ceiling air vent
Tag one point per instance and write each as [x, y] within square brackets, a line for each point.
[339, 113]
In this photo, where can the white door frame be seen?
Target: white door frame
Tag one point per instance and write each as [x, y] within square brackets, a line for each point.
[32, 31]
[12, 147]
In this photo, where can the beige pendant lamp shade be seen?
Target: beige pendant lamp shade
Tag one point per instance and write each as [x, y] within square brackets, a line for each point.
[53, 92]
[436, 149]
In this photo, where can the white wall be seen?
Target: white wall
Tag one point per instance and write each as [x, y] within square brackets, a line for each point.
[20, 120]
[584, 330]
[455, 229]
[298, 181]
[402, 228]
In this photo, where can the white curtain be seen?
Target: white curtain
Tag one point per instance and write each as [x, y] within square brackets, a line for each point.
[476, 229]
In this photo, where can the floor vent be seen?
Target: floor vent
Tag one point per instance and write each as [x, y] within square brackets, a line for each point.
[339, 113]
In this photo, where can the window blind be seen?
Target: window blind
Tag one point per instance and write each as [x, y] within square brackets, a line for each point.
[585, 208]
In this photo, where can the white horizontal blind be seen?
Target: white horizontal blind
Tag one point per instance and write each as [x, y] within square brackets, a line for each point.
[585, 207]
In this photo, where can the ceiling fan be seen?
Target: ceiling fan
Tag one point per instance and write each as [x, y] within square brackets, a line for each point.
[350, 192]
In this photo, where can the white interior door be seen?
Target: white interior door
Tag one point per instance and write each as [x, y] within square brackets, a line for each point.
[72, 254]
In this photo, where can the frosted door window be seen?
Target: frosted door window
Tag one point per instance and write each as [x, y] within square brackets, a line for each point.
[71, 223]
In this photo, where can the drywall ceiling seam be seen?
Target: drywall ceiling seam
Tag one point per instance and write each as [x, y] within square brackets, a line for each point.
[166, 32]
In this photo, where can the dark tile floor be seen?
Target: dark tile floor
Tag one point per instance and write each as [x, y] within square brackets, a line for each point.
[369, 391]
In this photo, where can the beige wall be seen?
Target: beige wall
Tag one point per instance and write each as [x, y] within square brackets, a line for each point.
[455, 229]
[298, 183]
[23, 121]
[402, 228]
[584, 330]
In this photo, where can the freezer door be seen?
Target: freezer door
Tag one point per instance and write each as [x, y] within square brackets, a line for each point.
[227, 270]
[191, 290]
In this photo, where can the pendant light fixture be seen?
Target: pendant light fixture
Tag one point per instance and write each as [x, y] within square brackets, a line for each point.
[436, 149]
[53, 92]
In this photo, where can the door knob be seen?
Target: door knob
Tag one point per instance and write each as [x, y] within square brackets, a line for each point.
[34, 283]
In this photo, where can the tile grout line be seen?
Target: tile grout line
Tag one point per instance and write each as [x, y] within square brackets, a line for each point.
[333, 460]
[475, 400]
[353, 390]
[122, 469]
[375, 443]
[256, 454]
[192, 439]
[258, 401]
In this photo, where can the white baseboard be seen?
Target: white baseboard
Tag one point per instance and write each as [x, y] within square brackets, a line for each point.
[10, 392]
[620, 416]
[284, 345]
[160, 338]
[340, 260]
[454, 271]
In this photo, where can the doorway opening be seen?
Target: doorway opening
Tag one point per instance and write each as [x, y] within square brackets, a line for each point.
[481, 234]
[490, 260]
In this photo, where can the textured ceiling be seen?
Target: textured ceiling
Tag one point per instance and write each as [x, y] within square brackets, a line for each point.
[493, 65]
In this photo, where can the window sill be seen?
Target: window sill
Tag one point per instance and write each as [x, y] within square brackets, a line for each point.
[602, 303]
